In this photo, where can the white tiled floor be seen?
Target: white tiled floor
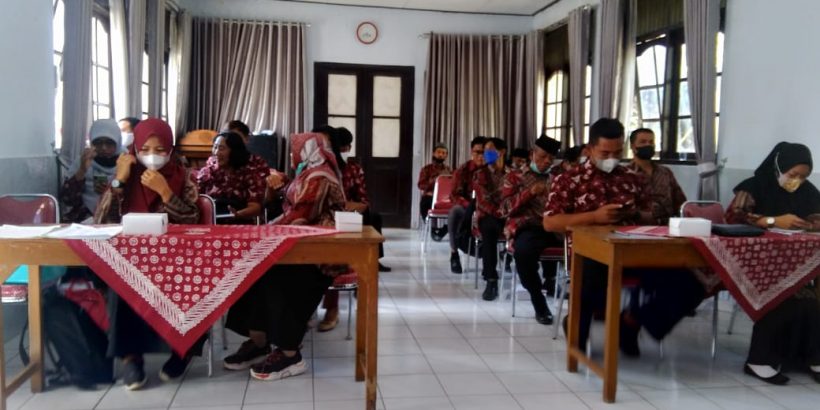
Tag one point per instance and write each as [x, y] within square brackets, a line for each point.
[442, 347]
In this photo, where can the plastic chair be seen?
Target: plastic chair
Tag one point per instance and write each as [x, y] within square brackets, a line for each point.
[441, 206]
[347, 282]
[555, 254]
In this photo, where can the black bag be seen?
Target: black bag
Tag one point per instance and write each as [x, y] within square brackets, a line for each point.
[736, 230]
[73, 343]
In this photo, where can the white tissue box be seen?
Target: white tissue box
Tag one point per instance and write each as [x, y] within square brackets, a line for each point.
[144, 224]
[690, 227]
[348, 221]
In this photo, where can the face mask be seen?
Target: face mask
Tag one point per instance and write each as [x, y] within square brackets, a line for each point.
[607, 165]
[127, 139]
[582, 159]
[786, 182]
[107, 162]
[345, 155]
[153, 162]
[490, 156]
[300, 167]
[645, 152]
[534, 168]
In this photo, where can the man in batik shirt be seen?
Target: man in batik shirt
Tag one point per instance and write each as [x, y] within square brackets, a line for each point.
[487, 182]
[525, 198]
[665, 194]
[602, 192]
[427, 184]
[461, 197]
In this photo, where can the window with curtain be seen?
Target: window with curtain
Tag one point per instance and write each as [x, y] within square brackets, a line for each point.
[58, 24]
[587, 105]
[101, 87]
[651, 82]
[686, 141]
[556, 106]
[146, 64]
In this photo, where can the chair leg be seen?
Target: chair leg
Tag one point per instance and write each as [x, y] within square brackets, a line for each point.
[476, 250]
[714, 326]
[514, 289]
[559, 310]
[349, 313]
[210, 351]
[732, 319]
[224, 334]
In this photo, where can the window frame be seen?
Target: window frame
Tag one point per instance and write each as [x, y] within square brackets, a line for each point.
[95, 66]
[560, 132]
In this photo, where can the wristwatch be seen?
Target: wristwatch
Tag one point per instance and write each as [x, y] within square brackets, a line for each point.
[116, 183]
[770, 222]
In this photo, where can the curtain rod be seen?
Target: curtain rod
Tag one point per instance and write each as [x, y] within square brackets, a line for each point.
[430, 33]
[262, 22]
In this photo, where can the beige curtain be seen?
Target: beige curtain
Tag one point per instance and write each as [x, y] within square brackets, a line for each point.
[156, 55]
[611, 55]
[474, 85]
[127, 25]
[76, 79]
[578, 27]
[248, 70]
[179, 71]
[534, 82]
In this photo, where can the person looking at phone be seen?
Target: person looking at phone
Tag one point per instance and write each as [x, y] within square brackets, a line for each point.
[90, 174]
[779, 195]
[602, 192]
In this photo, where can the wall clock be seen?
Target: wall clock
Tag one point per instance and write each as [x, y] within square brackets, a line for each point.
[367, 33]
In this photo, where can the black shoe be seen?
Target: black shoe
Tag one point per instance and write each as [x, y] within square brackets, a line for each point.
[778, 379]
[544, 318]
[247, 355]
[277, 366]
[455, 263]
[438, 234]
[133, 374]
[383, 268]
[174, 367]
[629, 339]
[815, 375]
[490, 291]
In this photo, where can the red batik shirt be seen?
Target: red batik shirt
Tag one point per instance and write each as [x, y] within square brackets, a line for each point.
[353, 181]
[519, 205]
[246, 183]
[487, 183]
[428, 175]
[586, 188]
[463, 184]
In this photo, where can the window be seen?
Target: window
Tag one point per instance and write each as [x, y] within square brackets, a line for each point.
[58, 23]
[556, 122]
[101, 86]
[651, 66]
[587, 104]
[146, 64]
[686, 140]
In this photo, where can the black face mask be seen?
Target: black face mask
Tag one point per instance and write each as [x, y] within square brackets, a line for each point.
[107, 162]
[438, 160]
[646, 152]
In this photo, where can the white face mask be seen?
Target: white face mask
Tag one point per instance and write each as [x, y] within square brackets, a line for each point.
[582, 159]
[153, 162]
[607, 165]
[346, 155]
[127, 139]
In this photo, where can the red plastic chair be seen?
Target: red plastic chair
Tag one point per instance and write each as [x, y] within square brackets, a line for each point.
[207, 210]
[711, 210]
[347, 282]
[441, 205]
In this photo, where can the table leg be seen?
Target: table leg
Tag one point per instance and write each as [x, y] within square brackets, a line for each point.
[612, 328]
[3, 392]
[361, 321]
[372, 332]
[574, 313]
[35, 327]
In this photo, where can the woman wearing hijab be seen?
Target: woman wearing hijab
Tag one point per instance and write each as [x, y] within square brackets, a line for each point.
[93, 171]
[779, 195]
[277, 308]
[149, 178]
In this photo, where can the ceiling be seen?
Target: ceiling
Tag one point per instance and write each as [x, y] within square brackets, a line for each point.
[508, 7]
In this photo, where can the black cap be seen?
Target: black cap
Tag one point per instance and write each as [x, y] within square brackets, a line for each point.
[552, 146]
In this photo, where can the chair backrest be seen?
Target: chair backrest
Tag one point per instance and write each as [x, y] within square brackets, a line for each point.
[441, 191]
[199, 137]
[35, 209]
[711, 210]
[207, 210]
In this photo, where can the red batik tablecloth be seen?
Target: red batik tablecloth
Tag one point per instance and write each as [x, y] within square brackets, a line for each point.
[184, 281]
[762, 271]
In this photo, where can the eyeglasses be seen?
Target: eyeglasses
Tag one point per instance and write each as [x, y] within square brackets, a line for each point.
[478, 152]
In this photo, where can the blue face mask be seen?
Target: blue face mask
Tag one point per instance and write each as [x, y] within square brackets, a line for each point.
[300, 167]
[534, 168]
[490, 156]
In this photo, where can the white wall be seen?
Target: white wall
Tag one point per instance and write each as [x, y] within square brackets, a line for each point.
[331, 38]
[27, 104]
[559, 11]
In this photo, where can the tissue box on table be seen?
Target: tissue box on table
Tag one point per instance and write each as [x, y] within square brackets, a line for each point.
[690, 227]
[135, 223]
[348, 221]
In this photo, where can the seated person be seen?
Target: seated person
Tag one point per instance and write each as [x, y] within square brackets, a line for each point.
[460, 215]
[236, 188]
[571, 159]
[780, 195]
[427, 183]
[127, 126]
[91, 173]
[149, 178]
[520, 159]
[487, 182]
[602, 192]
[665, 194]
[277, 308]
[525, 197]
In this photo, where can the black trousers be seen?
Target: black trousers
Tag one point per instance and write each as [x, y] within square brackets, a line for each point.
[280, 304]
[788, 334]
[530, 241]
[374, 219]
[425, 204]
[491, 229]
[671, 295]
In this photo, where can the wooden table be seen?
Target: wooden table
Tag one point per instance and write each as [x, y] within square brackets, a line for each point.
[359, 250]
[618, 252]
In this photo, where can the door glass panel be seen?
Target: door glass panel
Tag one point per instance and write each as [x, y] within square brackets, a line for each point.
[386, 133]
[386, 96]
[350, 124]
[341, 94]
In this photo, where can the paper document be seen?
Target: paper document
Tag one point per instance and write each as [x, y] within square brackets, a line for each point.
[77, 231]
[786, 231]
[25, 232]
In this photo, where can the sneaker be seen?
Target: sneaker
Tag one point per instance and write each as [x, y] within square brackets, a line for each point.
[490, 291]
[133, 374]
[455, 263]
[278, 366]
[174, 367]
[247, 355]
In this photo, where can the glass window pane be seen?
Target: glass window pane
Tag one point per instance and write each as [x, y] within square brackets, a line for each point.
[660, 63]
[103, 81]
[94, 87]
[386, 133]
[646, 68]
[386, 96]
[649, 104]
[146, 62]
[103, 112]
[717, 130]
[102, 44]
[717, 93]
[144, 101]
[686, 139]
[586, 109]
[719, 56]
[59, 27]
[683, 102]
[341, 94]
[588, 81]
[552, 88]
[551, 121]
[350, 124]
[655, 126]
[559, 114]
[684, 69]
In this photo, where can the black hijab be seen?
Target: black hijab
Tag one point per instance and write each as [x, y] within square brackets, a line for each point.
[770, 198]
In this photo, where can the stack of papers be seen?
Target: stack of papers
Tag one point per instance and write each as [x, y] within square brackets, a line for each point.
[77, 231]
[786, 231]
[25, 232]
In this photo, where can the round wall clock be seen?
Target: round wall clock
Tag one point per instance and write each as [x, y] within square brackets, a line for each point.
[367, 33]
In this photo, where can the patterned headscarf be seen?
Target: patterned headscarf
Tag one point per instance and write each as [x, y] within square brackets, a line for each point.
[314, 150]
